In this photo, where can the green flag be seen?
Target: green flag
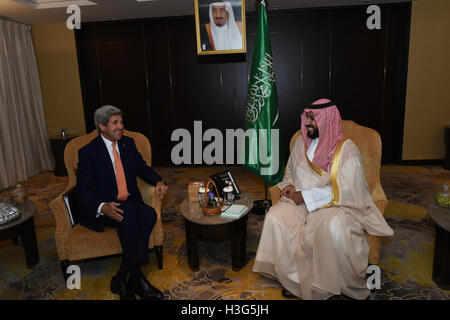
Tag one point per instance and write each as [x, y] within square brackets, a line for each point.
[264, 152]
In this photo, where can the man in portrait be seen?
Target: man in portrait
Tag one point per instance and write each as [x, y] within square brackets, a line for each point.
[222, 32]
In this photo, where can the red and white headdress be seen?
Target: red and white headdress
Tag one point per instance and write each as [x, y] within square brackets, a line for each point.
[329, 123]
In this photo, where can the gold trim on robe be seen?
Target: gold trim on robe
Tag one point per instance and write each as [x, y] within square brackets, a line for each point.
[333, 180]
[333, 175]
[315, 168]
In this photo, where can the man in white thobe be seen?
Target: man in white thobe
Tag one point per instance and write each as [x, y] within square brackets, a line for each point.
[314, 239]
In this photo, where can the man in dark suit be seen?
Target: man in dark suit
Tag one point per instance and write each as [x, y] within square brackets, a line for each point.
[109, 196]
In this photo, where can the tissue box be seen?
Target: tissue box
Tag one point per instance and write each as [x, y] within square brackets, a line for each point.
[193, 190]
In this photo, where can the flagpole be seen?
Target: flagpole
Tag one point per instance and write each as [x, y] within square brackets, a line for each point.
[262, 114]
[261, 207]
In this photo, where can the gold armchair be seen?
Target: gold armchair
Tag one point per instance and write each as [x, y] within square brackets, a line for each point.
[369, 144]
[77, 242]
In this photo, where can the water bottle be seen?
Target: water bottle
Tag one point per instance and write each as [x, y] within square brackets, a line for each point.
[231, 194]
[201, 194]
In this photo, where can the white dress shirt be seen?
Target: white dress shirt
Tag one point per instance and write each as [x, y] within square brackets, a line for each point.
[109, 146]
[316, 197]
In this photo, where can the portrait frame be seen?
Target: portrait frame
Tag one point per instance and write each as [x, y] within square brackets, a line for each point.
[205, 42]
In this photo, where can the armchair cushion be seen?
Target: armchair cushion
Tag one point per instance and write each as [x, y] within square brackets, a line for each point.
[82, 240]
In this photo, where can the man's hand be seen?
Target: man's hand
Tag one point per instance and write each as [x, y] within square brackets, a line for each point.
[111, 209]
[297, 197]
[288, 191]
[161, 189]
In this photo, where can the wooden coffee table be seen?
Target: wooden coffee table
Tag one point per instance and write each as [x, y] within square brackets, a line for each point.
[200, 227]
[23, 227]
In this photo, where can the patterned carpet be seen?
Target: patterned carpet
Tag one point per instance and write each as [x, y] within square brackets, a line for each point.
[406, 259]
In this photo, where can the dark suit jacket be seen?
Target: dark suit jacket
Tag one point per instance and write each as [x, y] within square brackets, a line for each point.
[96, 180]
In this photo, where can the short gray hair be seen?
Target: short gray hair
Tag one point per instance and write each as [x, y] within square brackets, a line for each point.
[103, 114]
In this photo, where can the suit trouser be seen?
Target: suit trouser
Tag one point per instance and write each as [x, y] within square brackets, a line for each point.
[134, 231]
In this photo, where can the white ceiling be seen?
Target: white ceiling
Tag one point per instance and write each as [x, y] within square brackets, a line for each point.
[52, 11]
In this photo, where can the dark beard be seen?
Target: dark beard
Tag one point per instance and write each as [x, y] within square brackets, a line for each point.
[313, 135]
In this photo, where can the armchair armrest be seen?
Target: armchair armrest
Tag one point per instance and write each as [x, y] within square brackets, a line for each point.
[149, 196]
[379, 198]
[61, 214]
[63, 224]
[275, 194]
[156, 201]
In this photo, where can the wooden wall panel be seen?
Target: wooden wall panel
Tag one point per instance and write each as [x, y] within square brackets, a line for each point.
[151, 70]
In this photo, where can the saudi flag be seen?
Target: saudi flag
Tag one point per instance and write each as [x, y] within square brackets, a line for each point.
[264, 152]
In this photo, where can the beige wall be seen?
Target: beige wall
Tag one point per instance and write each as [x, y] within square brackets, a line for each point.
[428, 89]
[60, 83]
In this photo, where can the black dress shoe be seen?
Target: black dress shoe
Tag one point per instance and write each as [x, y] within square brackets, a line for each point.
[288, 294]
[144, 289]
[119, 286]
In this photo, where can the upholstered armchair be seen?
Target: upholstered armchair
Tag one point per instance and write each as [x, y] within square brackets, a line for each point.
[369, 144]
[77, 242]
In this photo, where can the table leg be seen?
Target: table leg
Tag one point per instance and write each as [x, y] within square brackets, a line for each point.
[16, 241]
[243, 242]
[28, 237]
[441, 263]
[238, 244]
[234, 250]
[192, 245]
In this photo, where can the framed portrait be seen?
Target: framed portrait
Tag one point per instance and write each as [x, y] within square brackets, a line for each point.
[220, 26]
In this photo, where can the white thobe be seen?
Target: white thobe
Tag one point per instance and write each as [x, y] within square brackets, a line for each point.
[316, 251]
[316, 197]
